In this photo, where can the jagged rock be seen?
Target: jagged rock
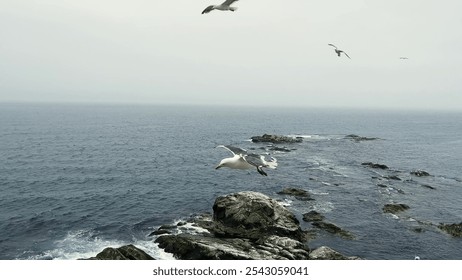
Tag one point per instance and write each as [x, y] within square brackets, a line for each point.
[297, 193]
[313, 216]
[127, 252]
[358, 138]
[420, 173]
[195, 247]
[245, 225]
[334, 229]
[275, 139]
[375, 165]
[453, 229]
[253, 215]
[326, 253]
[394, 208]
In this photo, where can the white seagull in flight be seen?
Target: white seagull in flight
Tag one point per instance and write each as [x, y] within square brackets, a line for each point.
[338, 52]
[225, 6]
[243, 160]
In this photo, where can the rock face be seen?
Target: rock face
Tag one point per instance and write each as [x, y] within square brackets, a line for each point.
[245, 225]
[275, 139]
[127, 252]
[453, 229]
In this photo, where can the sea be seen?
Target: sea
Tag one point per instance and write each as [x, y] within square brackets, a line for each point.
[77, 178]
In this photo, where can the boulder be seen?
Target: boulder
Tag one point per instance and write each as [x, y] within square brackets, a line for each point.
[127, 252]
[253, 215]
[326, 253]
[313, 216]
[244, 225]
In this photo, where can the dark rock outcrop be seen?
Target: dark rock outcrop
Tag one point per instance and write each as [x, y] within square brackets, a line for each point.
[326, 253]
[275, 139]
[333, 229]
[453, 229]
[394, 208]
[358, 138]
[420, 173]
[127, 252]
[313, 216]
[245, 225]
[375, 165]
[297, 193]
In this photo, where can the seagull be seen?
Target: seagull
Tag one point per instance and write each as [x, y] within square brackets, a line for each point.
[338, 52]
[403, 57]
[243, 160]
[225, 6]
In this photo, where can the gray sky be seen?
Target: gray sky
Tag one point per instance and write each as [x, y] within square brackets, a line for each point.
[270, 52]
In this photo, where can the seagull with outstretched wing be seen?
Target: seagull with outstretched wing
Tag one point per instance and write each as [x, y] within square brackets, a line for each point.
[338, 51]
[225, 6]
[243, 160]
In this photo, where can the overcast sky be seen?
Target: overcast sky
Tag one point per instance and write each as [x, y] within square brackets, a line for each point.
[270, 52]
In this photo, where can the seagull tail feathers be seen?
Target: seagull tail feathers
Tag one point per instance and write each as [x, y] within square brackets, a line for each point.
[232, 9]
[272, 163]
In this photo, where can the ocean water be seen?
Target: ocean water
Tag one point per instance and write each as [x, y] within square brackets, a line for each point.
[75, 179]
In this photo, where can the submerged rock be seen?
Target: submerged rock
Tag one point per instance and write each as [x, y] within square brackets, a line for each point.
[275, 139]
[297, 193]
[334, 229]
[394, 208]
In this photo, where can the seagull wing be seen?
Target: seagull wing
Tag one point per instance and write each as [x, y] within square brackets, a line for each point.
[234, 150]
[208, 9]
[228, 2]
[332, 46]
[347, 55]
[255, 160]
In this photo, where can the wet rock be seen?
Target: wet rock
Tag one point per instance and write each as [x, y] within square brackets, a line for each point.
[194, 247]
[313, 216]
[394, 208]
[358, 138]
[275, 139]
[420, 173]
[326, 253]
[127, 252]
[245, 225]
[297, 193]
[253, 215]
[428, 187]
[453, 229]
[375, 165]
[334, 229]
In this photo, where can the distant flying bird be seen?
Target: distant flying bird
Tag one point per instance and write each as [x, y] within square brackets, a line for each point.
[403, 57]
[338, 52]
[225, 6]
[243, 160]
